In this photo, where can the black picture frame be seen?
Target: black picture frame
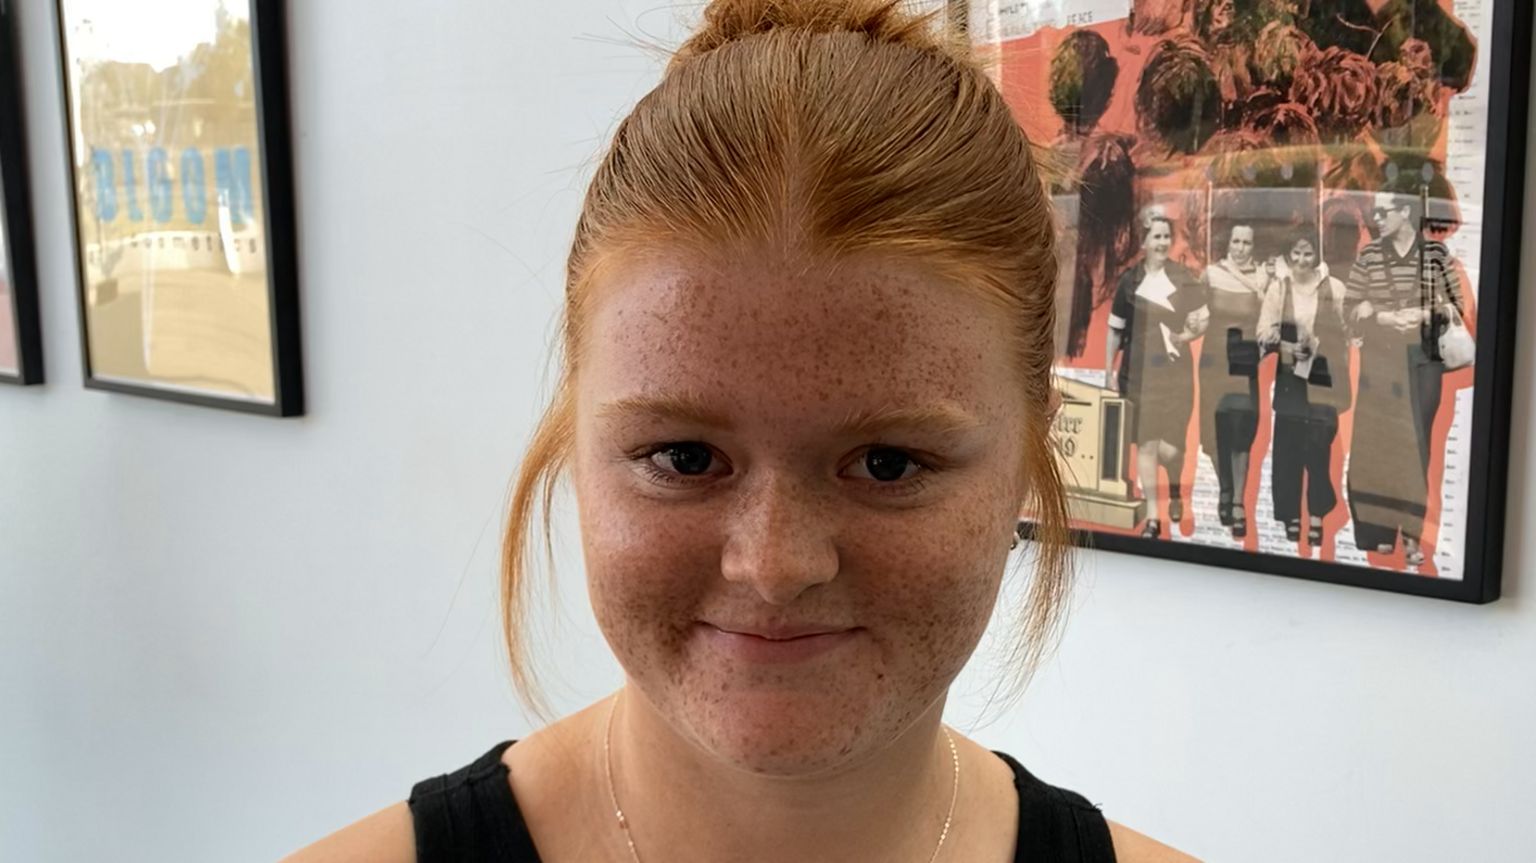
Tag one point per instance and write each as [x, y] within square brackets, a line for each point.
[272, 192]
[1508, 42]
[18, 269]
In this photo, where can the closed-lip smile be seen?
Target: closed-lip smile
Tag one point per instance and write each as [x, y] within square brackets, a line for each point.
[780, 632]
[777, 644]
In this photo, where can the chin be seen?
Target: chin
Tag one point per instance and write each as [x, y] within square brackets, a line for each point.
[794, 732]
[787, 715]
[785, 743]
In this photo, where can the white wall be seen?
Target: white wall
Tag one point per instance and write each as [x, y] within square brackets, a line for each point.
[222, 636]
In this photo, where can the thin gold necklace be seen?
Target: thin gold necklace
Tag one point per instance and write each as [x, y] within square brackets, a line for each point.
[634, 854]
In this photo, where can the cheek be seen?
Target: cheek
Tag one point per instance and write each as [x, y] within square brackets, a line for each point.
[929, 582]
[647, 566]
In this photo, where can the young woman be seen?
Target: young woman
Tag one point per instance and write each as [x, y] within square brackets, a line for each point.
[806, 392]
[1159, 308]
[1303, 321]
[1229, 391]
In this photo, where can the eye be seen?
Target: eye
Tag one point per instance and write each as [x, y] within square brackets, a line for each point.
[688, 458]
[889, 465]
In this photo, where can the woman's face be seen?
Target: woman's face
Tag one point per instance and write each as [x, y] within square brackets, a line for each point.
[1303, 256]
[763, 447]
[1159, 239]
[1240, 245]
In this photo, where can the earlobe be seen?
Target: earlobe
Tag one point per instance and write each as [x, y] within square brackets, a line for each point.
[1052, 406]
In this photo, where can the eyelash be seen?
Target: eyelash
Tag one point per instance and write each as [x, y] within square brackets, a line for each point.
[911, 485]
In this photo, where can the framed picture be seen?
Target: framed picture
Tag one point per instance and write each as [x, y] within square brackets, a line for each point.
[21, 343]
[1288, 259]
[183, 200]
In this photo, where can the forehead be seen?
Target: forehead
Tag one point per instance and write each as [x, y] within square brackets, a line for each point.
[790, 339]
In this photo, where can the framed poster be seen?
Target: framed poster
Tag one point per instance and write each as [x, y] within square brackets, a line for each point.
[21, 343]
[1289, 238]
[183, 200]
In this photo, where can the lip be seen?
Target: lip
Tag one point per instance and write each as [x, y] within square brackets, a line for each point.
[787, 644]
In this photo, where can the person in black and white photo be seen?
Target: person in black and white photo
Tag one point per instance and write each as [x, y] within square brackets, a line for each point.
[1229, 387]
[1303, 322]
[1158, 309]
[1400, 296]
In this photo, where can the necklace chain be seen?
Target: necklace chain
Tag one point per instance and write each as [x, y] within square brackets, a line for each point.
[618, 811]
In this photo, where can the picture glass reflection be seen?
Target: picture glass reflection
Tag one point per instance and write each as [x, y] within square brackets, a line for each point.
[164, 133]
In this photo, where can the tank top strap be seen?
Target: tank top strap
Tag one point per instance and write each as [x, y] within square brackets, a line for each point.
[471, 816]
[1056, 824]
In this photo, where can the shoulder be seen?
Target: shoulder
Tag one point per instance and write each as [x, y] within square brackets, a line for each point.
[395, 834]
[386, 836]
[1060, 819]
[1182, 276]
[1371, 251]
[1178, 270]
[1436, 250]
[1133, 847]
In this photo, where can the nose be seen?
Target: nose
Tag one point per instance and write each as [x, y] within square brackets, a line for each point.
[780, 542]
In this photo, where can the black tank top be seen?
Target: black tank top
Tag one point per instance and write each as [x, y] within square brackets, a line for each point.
[471, 816]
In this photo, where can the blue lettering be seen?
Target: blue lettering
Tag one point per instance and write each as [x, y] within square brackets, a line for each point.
[192, 185]
[131, 186]
[232, 173]
[233, 180]
[106, 186]
[160, 195]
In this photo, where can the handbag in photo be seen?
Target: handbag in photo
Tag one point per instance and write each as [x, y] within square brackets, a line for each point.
[1457, 349]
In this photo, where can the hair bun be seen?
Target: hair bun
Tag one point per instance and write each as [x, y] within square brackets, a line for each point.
[881, 20]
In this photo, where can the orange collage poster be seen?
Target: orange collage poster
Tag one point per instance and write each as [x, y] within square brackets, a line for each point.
[1270, 261]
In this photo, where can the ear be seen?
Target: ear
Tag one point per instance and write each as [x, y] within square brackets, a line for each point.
[1053, 406]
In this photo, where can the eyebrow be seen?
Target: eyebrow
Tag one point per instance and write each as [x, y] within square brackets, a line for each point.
[665, 407]
[940, 417]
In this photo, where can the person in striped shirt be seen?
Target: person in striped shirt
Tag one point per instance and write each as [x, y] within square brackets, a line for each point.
[1399, 296]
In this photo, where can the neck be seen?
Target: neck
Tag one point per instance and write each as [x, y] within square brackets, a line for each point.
[1404, 238]
[684, 804]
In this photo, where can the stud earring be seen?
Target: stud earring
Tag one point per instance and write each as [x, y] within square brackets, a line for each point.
[1015, 543]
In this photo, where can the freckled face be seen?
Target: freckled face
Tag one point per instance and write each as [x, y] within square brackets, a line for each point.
[761, 444]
